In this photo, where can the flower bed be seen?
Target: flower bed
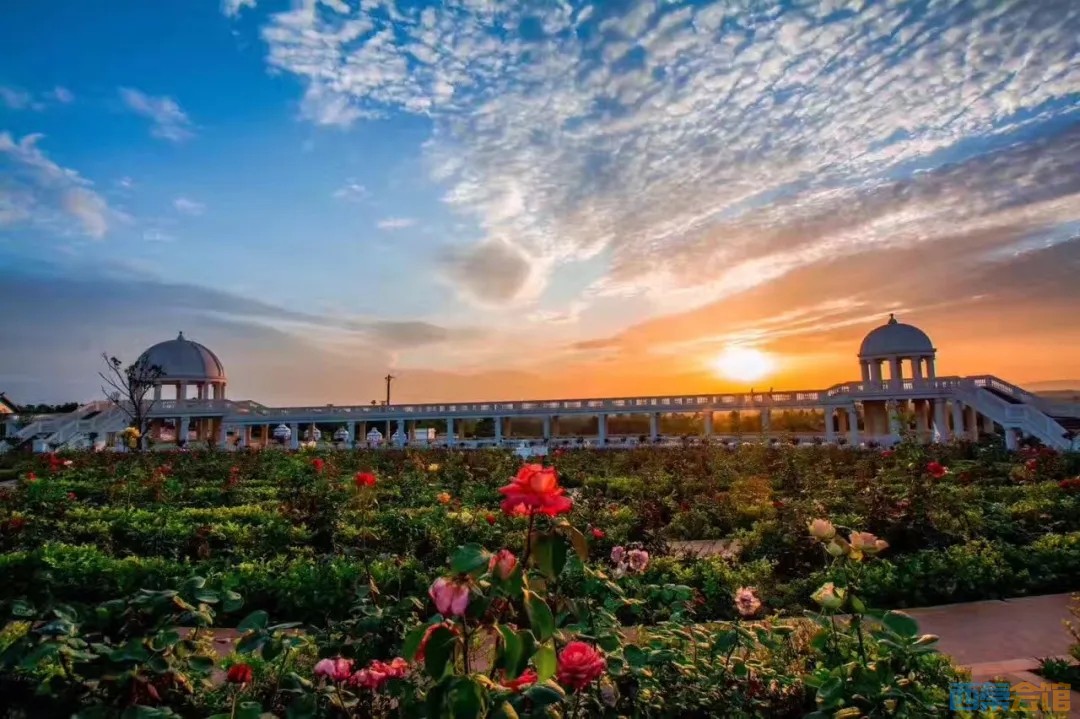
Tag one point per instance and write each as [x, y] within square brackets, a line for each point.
[355, 546]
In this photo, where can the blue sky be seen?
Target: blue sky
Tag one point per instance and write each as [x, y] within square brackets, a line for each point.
[531, 198]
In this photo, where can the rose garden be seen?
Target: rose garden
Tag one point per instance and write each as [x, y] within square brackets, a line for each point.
[432, 583]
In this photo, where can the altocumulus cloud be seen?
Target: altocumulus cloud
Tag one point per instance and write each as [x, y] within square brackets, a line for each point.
[35, 190]
[658, 133]
[168, 119]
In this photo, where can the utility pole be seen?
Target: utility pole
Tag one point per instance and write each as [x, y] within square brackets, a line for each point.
[389, 378]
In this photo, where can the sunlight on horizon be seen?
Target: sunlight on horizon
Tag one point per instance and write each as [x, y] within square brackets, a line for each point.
[744, 364]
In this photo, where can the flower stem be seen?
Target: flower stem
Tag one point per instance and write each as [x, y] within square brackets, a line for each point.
[528, 539]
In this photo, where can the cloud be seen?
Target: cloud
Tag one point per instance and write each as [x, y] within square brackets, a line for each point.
[351, 191]
[395, 223]
[661, 136]
[63, 95]
[232, 8]
[169, 121]
[494, 273]
[187, 206]
[35, 190]
[17, 99]
[154, 234]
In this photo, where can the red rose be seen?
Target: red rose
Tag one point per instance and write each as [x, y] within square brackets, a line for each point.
[580, 665]
[239, 674]
[886, 453]
[527, 678]
[318, 464]
[71, 496]
[490, 518]
[364, 479]
[936, 470]
[31, 477]
[536, 488]
[598, 533]
[1032, 465]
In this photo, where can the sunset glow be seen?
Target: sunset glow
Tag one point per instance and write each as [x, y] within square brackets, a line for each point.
[744, 364]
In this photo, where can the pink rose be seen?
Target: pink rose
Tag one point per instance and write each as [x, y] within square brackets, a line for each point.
[451, 596]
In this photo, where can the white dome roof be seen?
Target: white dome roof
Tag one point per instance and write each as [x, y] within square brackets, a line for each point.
[896, 338]
[182, 359]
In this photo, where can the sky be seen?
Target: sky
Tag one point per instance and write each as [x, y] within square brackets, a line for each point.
[512, 200]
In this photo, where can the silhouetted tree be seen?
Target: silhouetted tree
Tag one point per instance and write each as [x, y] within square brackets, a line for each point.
[128, 387]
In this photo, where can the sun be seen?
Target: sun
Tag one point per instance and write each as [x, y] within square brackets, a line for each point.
[744, 364]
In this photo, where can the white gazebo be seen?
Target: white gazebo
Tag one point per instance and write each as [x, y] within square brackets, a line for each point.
[905, 349]
[185, 364]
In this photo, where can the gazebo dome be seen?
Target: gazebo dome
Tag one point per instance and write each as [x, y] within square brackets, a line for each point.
[896, 339]
[183, 360]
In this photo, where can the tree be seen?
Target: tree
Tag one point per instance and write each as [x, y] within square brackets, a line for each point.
[128, 387]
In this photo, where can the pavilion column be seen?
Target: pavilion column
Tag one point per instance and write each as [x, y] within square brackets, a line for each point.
[930, 371]
[183, 429]
[957, 419]
[842, 423]
[223, 437]
[547, 427]
[916, 368]
[498, 430]
[200, 391]
[294, 436]
[766, 421]
[601, 428]
[830, 428]
[508, 427]
[350, 427]
[987, 425]
[181, 390]
[450, 432]
[709, 423]
[157, 392]
[941, 426]
[853, 426]
[401, 436]
[1012, 439]
[895, 380]
[971, 422]
[654, 426]
[266, 436]
[865, 367]
[894, 421]
[244, 431]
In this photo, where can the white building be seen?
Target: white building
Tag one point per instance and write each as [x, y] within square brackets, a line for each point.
[898, 384]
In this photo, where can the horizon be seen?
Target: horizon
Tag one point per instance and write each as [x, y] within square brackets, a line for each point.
[500, 200]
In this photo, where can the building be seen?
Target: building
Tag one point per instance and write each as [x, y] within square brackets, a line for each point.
[898, 390]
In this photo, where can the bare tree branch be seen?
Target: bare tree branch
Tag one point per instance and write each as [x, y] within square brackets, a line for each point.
[128, 387]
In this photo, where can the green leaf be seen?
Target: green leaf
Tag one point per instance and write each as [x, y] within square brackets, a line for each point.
[40, 652]
[540, 617]
[201, 663]
[439, 650]
[635, 657]
[549, 552]
[19, 608]
[469, 558]
[543, 694]
[545, 662]
[255, 620]
[164, 640]
[304, 707]
[505, 711]
[512, 651]
[207, 596]
[857, 605]
[248, 710]
[581, 544]
[233, 601]
[412, 641]
[467, 698]
[901, 623]
[250, 643]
